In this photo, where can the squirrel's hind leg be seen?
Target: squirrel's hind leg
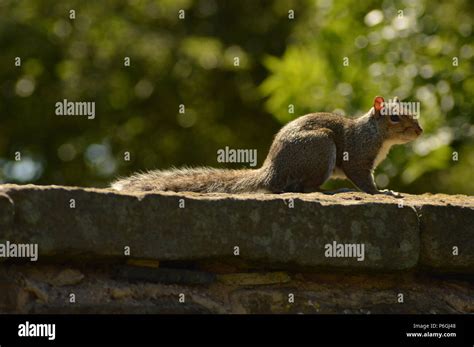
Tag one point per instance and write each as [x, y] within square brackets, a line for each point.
[322, 158]
[303, 162]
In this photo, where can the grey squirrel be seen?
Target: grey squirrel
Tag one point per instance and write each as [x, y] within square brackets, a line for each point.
[304, 154]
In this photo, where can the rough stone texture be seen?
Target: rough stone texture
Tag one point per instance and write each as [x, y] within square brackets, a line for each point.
[6, 213]
[264, 227]
[409, 250]
[254, 278]
[442, 229]
[312, 293]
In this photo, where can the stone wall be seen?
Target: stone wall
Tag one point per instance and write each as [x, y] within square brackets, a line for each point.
[103, 251]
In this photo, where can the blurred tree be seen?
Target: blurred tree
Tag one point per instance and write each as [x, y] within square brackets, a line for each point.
[173, 61]
[188, 64]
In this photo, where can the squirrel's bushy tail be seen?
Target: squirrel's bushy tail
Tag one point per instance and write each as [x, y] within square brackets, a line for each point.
[203, 180]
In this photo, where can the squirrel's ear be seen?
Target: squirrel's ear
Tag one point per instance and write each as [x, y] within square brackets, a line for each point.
[378, 103]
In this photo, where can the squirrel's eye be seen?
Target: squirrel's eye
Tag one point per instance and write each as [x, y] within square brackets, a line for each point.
[394, 118]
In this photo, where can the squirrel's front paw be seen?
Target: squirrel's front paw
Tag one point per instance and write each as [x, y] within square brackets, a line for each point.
[390, 193]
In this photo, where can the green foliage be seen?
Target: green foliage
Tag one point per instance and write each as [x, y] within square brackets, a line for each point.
[191, 62]
[391, 53]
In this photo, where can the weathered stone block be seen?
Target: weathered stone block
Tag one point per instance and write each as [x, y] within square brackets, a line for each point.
[289, 229]
[268, 228]
[6, 214]
[447, 238]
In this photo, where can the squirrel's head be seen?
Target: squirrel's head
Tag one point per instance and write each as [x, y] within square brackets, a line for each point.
[397, 120]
